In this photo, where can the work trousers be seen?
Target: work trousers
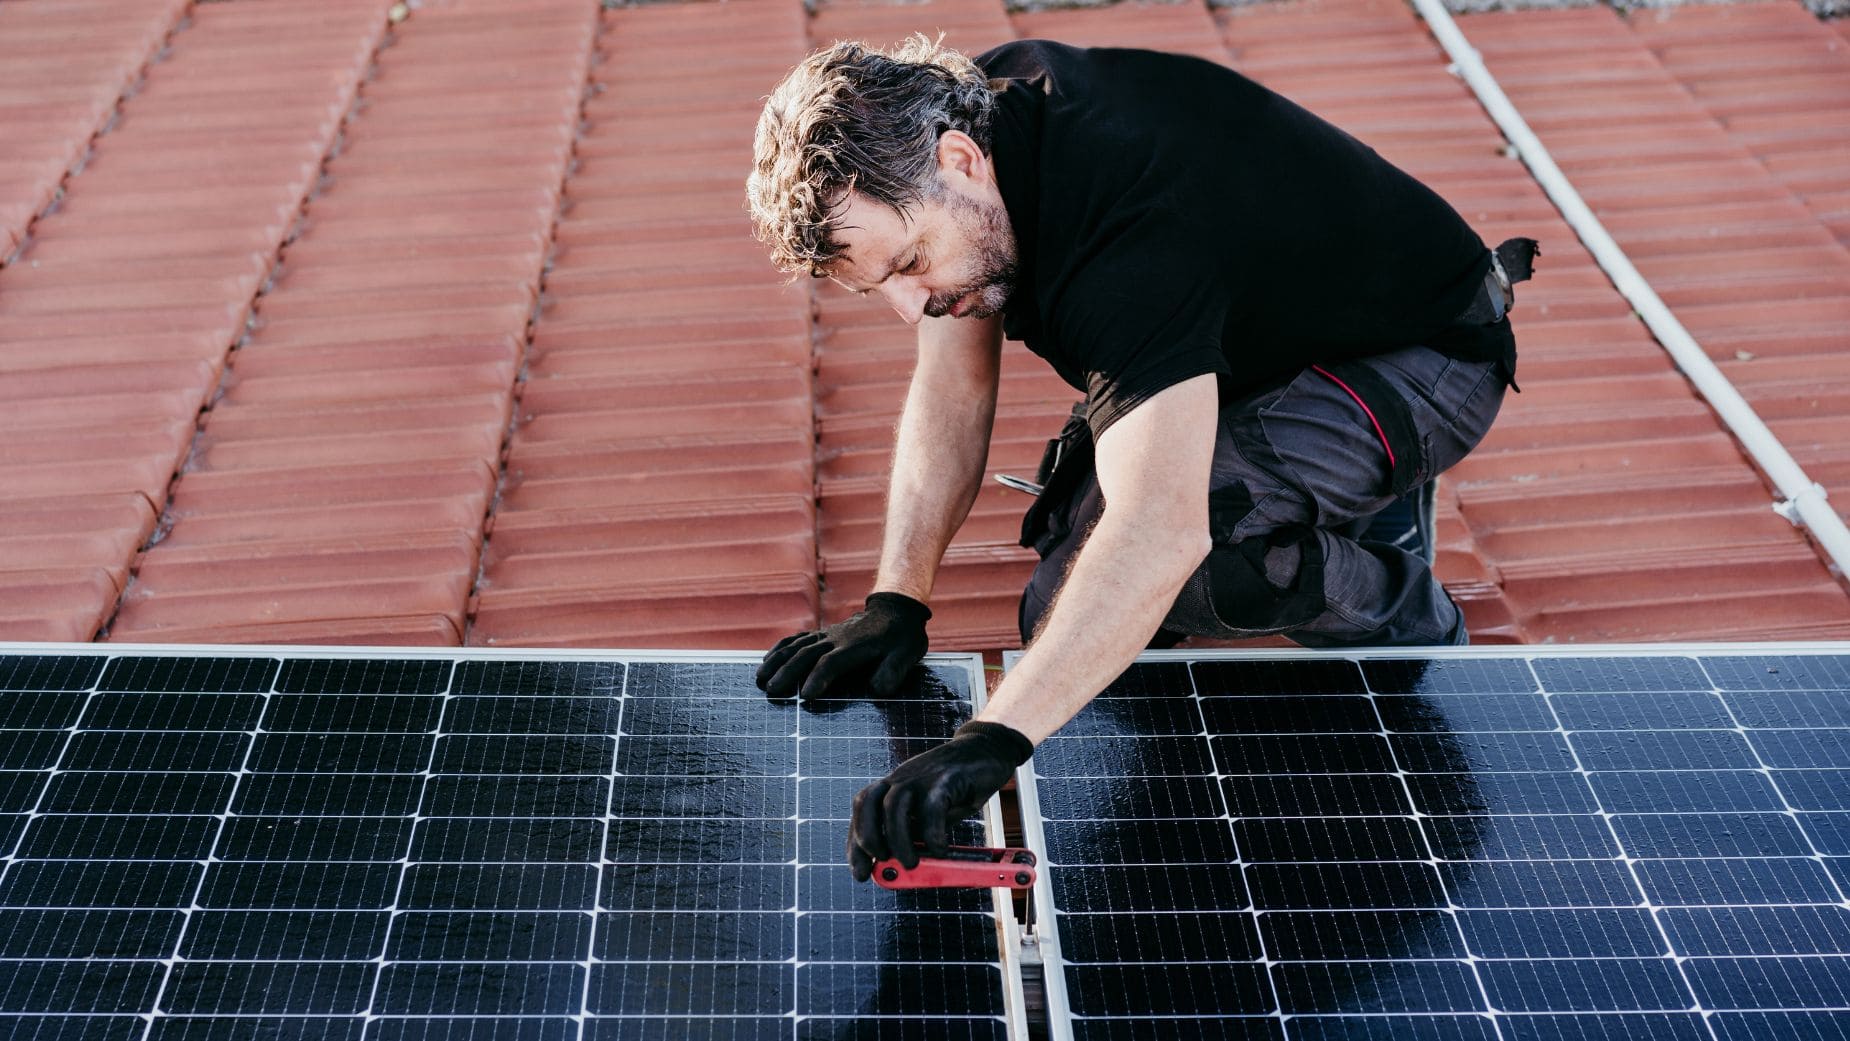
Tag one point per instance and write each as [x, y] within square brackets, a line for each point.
[1298, 470]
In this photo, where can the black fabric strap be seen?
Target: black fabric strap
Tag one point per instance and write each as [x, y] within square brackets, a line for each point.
[1518, 258]
[1064, 466]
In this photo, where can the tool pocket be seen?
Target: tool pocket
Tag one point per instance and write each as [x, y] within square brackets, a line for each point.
[1065, 464]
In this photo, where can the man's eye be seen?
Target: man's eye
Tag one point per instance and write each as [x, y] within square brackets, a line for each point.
[915, 265]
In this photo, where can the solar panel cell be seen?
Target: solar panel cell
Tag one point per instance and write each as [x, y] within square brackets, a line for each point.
[1458, 713]
[1384, 986]
[40, 709]
[466, 840]
[256, 988]
[1552, 837]
[105, 837]
[1619, 674]
[1813, 789]
[1660, 710]
[1327, 795]
[1540, 883]
[1511, 793]
[525, 1028]
[78, 986]
[195, 675]
[1428, 676]
[1803, 749]
[1360, 935]
[1771, 983]
[1203, 887]
[1152, 679]
[1603, 985]
[1159, 937]
[1330, 714]
[1828, 833]
[1757, 880]
[1781, 672]
[1716, 791]
[48, 672]
[1658, 1026]
[1141, 715]
[1792, 1026]
[282, 936]
[1224, 989]
[362, 676]
[31, 749]
[1085, 798]
[1562, 933]
[1710, 835]
[84, 934]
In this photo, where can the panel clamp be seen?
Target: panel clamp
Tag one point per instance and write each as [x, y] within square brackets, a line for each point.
[1791, 507]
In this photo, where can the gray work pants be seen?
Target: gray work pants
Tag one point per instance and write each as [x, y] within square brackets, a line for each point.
[1297, 469]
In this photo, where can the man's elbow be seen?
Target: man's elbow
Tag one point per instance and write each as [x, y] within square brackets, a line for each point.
[1194, 543]
[1176, 547]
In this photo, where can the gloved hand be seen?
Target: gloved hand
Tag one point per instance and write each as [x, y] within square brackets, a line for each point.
[889, 631]
[926, 794]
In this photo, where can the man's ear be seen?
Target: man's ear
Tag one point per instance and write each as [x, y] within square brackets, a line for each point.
[959, 155]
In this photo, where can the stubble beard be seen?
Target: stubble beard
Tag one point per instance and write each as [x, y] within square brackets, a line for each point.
[996, 260]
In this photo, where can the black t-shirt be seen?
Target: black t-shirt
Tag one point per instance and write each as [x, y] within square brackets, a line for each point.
[1175, 218]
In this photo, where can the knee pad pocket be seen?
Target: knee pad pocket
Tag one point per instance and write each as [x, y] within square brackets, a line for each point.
[1245, 596]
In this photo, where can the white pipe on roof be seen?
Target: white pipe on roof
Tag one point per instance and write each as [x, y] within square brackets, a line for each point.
[1804, 502]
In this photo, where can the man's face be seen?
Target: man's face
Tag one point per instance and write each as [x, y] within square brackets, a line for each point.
[954, 257]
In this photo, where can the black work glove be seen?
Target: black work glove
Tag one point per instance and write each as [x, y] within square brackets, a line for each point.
[929, 792]
[889, 631]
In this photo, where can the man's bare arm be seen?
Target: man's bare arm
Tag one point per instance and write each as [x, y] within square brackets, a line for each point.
[1153, 469]
[940, 450]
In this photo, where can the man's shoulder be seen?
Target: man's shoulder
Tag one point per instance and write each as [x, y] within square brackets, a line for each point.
[1030, 59]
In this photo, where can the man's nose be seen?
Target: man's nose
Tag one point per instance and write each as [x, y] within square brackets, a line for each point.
[907, 297]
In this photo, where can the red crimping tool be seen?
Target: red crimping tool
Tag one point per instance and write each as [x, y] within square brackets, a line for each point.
[966, 867]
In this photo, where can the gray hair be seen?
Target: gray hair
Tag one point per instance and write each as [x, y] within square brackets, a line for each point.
[854, 119]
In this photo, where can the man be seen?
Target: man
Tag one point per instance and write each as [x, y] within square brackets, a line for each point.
[1277, 332]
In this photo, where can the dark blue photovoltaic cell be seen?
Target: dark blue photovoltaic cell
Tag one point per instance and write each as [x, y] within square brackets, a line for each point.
[1501, 847]
[48, 672]
[426, 849]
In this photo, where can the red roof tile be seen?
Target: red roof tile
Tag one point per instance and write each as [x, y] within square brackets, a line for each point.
[521, 377]
[63, 68]
[349, 381]
[80, 316]
[1622, 534]
[659, 477]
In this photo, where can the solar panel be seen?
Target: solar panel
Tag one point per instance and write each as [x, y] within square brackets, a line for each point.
[1480, 844]
[230, 843]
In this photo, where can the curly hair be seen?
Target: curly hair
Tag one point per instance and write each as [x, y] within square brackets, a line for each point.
[855, 119]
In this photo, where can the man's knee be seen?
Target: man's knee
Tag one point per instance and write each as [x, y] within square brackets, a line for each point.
[1264, 584]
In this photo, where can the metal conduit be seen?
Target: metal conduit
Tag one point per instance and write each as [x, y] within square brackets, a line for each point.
[1804, 503]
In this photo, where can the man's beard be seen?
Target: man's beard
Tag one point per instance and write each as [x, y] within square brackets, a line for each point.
[989, 289]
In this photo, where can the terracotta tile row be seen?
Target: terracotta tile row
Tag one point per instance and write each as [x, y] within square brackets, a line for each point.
[865, 355]
[660, 478]
[64, 67]
[116, 318]
[337, 486]
[1777, 79]
[1611, 502]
